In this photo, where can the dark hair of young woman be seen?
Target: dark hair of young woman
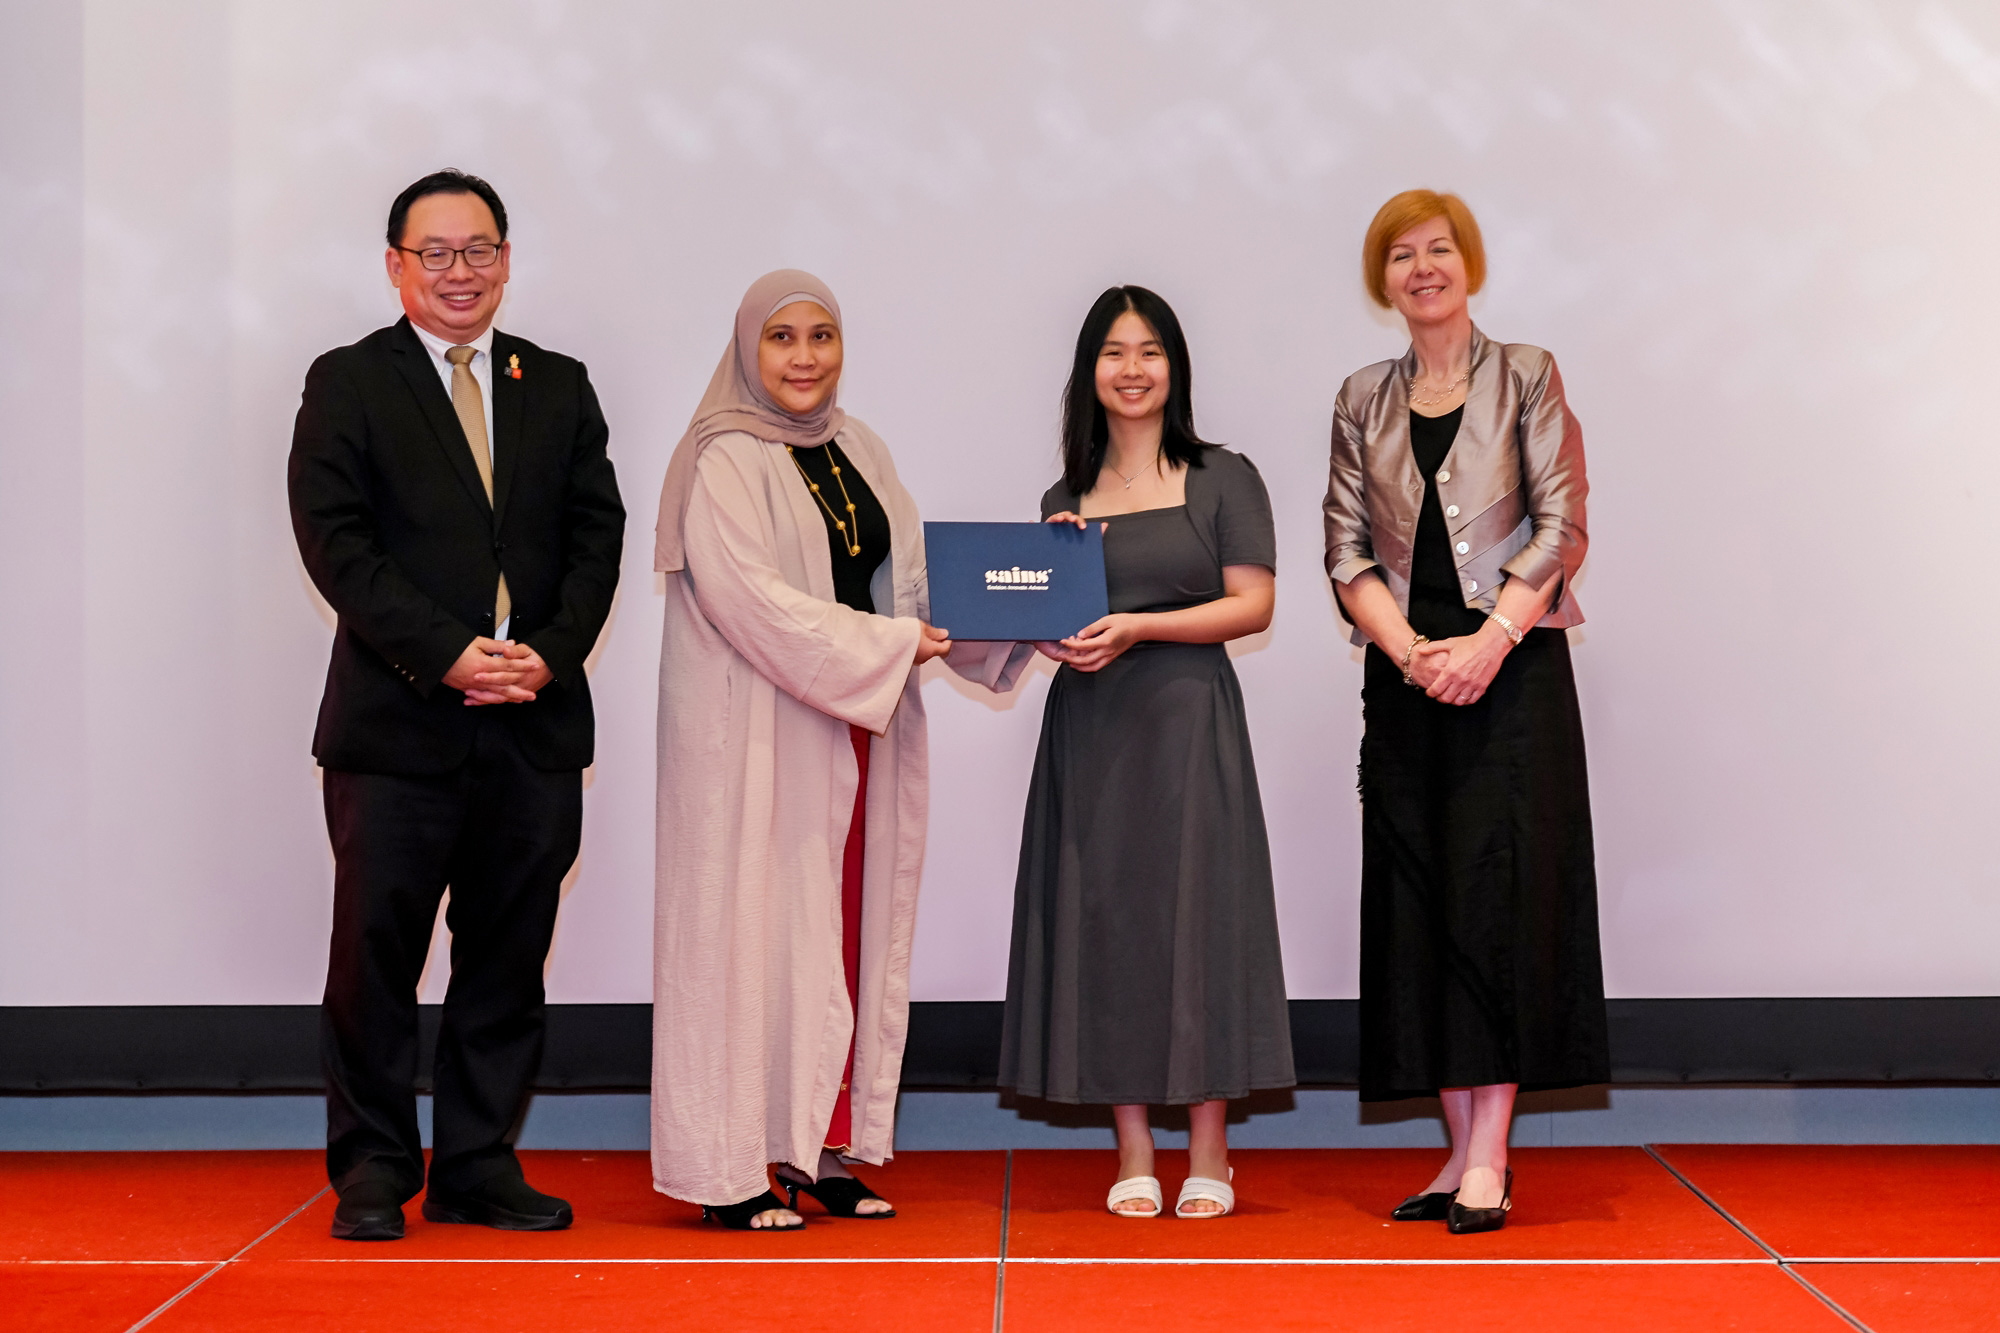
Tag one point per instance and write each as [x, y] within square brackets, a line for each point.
[1083, 430]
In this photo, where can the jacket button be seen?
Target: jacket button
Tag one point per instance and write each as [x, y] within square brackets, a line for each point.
[1472, 585]
[1462, 548]
[1444, 476]
[1451, 511]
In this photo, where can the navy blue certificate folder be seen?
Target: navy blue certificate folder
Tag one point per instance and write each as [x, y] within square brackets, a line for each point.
[1015, 580]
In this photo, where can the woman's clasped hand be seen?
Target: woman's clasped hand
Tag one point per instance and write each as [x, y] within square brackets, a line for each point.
[1098, 644]
[1458, 670]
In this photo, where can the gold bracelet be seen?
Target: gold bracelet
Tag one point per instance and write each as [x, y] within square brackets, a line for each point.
[1409, 653]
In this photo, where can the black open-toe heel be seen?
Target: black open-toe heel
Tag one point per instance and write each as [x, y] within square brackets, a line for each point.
[837, 1194]
[1464, 1221]
[1433, 1207]
[736, 1216]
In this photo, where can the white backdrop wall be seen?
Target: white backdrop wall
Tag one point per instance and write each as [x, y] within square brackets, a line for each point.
[1758, 236]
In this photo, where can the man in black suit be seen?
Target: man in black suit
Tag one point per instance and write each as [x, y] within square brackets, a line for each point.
[454, 503]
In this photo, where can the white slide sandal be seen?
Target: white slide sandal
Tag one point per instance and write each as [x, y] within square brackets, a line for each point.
[1205, 1187]
[1138, 1187]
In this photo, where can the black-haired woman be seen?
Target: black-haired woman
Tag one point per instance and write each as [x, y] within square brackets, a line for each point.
[1144, 969]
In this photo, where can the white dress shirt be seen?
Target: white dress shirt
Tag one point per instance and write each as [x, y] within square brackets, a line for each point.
[481, 366]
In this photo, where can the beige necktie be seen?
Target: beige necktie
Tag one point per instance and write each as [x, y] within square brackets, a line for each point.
[471, 409]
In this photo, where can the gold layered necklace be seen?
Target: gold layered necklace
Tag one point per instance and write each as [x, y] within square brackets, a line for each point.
[1420, 397]
[850, 538]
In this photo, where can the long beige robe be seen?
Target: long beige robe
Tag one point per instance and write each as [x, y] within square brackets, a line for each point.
[761, 672]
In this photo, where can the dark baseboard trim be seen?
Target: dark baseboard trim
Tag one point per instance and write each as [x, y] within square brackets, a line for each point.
[608, 1047]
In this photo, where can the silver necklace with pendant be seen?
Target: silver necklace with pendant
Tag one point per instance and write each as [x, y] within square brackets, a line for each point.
[1136, 475]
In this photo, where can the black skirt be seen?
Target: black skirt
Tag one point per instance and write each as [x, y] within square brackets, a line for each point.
[1479, 947]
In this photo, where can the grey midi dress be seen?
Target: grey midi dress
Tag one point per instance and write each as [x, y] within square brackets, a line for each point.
[1144, 966]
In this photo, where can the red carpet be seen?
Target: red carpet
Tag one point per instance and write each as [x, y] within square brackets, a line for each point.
[1914, 1298]
[1600, 1239]
[45, 1298]
[1422, 1300]
[1872, 1203]
[597, 1298]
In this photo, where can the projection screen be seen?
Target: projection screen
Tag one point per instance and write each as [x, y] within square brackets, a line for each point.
[1757, 236]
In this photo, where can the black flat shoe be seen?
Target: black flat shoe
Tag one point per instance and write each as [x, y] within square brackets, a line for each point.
[370, 1210]
[506, 1203]
[837, 1194]
[1432, 1207]
[736, 1216]
[1466, 1221]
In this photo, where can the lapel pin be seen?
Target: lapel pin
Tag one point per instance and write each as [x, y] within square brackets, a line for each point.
[514, 366]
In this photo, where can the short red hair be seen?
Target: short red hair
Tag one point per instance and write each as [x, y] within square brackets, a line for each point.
[1409, 209]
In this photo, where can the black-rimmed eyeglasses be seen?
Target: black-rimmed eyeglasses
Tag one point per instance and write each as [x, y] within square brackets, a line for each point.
[438, 257]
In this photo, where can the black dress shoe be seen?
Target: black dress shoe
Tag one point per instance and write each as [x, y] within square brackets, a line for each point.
[1465, 1221]
[1431, 1207]
[505, 1202]
[370, 1210]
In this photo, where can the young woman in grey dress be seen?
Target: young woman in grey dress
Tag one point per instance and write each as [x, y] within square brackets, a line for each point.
[1454, 531]
[1144, 969]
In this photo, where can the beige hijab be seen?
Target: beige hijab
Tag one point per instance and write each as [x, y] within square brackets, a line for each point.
[736, 400]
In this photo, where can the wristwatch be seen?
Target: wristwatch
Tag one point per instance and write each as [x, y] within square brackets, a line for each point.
[1508, 627]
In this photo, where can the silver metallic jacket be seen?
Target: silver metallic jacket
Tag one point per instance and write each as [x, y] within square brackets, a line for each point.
[1512, 487]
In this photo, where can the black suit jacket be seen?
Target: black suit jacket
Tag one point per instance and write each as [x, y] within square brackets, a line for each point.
[397, 534]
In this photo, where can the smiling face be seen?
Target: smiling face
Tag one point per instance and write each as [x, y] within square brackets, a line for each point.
[1425, 273]
[1132, 371]
[456, 303]
[798, 357]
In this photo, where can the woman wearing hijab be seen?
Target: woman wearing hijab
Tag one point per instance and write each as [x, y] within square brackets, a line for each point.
[1145, 968]
[792, 785]
[1454, 532]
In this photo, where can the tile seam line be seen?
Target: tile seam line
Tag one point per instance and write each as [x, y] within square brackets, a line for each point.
[1783, 1266]
[270, 1231]
[1000, 1262]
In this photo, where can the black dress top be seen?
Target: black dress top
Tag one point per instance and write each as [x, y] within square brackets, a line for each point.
[851, 573]
[1170, 559]
[1437, 603]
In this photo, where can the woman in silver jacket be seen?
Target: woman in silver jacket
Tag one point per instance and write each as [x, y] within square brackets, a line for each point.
[1454, 530]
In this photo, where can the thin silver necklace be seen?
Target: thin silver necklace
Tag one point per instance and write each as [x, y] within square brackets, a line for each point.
[1136, 475]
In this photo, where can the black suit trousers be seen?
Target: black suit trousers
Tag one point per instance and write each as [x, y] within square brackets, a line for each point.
[501, 834]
